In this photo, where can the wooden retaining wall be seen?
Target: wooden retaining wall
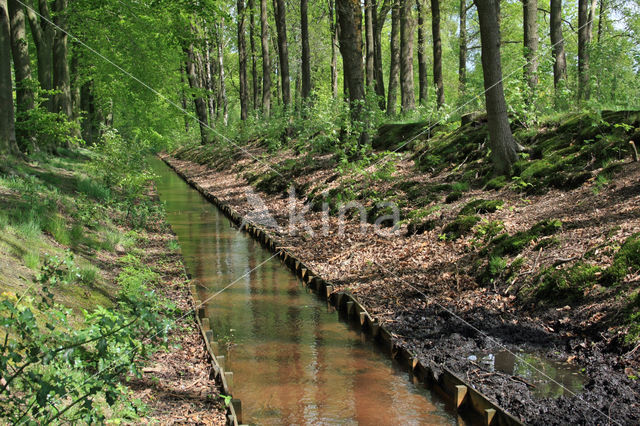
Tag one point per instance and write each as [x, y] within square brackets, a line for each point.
[445, 382]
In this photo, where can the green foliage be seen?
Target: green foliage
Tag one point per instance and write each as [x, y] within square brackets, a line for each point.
[488, 229]
[626, 260]
[58, 373]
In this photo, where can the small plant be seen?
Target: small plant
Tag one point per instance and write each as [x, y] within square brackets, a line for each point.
[487, 230]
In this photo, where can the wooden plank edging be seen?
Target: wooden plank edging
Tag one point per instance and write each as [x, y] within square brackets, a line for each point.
[447, 383]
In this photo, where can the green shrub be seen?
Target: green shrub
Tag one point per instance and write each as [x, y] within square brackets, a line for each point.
[88, 275]
[93, 189]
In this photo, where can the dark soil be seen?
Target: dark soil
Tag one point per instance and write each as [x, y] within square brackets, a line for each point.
[424, 289]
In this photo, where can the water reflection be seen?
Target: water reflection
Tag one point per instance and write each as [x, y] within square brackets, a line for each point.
[293, 361]
[536, 371]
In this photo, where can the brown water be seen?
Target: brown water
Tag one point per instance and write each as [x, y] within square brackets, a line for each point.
[293, 361]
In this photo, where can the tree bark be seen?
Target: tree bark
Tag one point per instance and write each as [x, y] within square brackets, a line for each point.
[349, 19]
[462, 56]
[530, 25]
[184, 99]
[22, 70]
[333, 28]
[20, 51]
[255, 81]
[266, 62]
[7, 123]
[437, 52]
[61, 79]
[43, 33]
[379, 18]
[209, 83]
[283, 50]
[306, 52]
[87, 104]
[198, 100]
[586, 11]
[222, 100]
[407, 26]
[423, 87]
[369, 57]
[242, 62]
[557, 43]
[501, 142]
[394, 67]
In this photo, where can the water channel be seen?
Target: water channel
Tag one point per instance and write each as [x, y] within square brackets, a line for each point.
[294, 361]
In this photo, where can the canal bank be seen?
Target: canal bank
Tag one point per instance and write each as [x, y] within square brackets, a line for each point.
[553, 380]
[357, 379]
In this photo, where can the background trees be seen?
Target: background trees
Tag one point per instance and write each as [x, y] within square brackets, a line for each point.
[198, 51]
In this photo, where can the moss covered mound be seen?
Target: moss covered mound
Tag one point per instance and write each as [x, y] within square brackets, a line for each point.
[625, 261]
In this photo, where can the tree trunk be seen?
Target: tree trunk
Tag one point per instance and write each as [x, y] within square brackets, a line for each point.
[379, 19]
[369, 57]
[334, 49]
[222, 100]
[306, 52]
[437, 52]
[586, 11]
[349, 19]
[530, 25]
[394, 68]
[184, 99]
[209, 84]
[22, 70]
[557, 43]
[283, 50]
[198, 100]
[266, 62]
[242, 62]
[254, 67]
[462, 56]
[501, 142]
[87, 104]
[7, 123]
[422, 54]
[61, 79]
[20, 51]
[43, 33]
[407, 26]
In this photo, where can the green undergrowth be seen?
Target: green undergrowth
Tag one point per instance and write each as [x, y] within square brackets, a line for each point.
[65, 223]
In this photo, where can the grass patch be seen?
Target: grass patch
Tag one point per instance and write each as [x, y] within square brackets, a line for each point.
[93, 189]
[57, 228]
[569, 283]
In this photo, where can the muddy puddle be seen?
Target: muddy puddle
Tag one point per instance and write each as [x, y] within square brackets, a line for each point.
[547, 378]
[293, 360]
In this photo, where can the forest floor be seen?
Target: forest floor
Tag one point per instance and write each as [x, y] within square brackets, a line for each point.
[544, 270]
[175, 386]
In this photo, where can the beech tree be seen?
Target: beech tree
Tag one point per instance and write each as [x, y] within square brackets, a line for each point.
[306, 51]
[586, 13]
[438, 79]
[503, 146]
[266, 62]
[283, 50]
[61, 77]
[557, 43]
[242, 62]
[21, 63]
[43, 33]
[530, 25]
[7, 124]
[422, 53]
[407, 25]
[394, 63]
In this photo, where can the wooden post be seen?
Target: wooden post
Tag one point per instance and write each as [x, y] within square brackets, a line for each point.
[461, 393]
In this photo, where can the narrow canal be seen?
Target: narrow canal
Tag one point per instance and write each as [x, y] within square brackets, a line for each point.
[293, 361]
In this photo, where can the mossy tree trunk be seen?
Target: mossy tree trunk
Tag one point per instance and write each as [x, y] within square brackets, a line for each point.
[438, 80]
[530, 25]
[423, 87]
[61, 77]
[266, 61]
[43, 33]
